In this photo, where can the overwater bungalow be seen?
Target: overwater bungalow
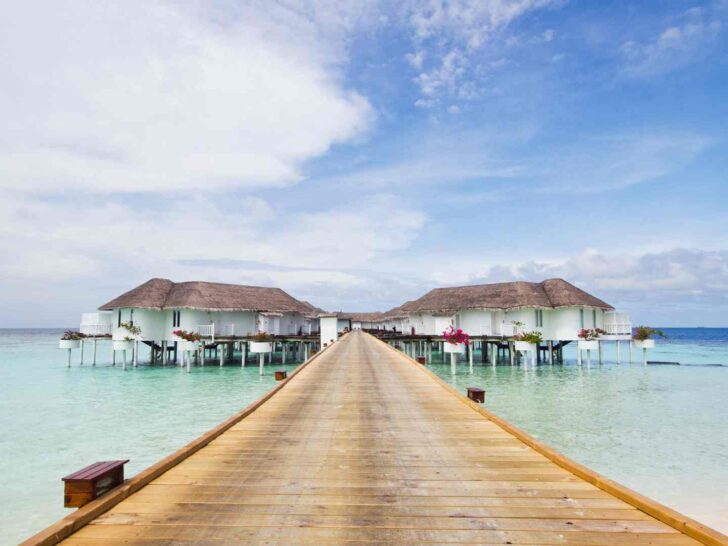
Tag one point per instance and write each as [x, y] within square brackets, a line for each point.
[159, 307]
[555, 308]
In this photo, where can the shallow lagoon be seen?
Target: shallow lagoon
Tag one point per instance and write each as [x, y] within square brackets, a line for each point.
[662, 430]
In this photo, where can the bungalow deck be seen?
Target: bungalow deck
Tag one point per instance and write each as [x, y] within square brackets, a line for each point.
[363, 445]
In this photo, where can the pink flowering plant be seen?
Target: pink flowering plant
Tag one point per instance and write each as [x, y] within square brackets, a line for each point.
[591, 334]
[455, 337]
[188, 336]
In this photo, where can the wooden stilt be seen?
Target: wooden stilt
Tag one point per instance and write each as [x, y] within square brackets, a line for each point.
[222, 355]
[113, 355]
[601, 352]
[470, 356]
[135, 354]
[588, 358]
[261, 357]
[81, 359]
[93, 363]
[511, 353]
[453, 360]
[578, 356]
[630, 351]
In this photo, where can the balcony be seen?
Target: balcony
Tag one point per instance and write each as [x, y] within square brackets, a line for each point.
[617, 324]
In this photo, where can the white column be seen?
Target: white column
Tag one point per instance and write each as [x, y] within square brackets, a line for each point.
[243, 347]
[601, 352]
[494, 355]
[81, 360]
[533, 357]
[630, 351]
[113, 355]
[136, 353]
[69, 358]
[283, 354]
[221, 348]
[261, 357]
[452, 363]
[94, 361]
[471, 347]
[578, 355]
[588, 358]
[619, 356]
[189, 360]
[550, 349]
[512, 352]
[644, 356]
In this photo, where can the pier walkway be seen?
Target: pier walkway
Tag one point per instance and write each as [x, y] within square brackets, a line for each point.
[362, 445]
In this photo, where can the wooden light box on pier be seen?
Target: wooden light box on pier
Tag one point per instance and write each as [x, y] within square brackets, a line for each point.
[91, 482]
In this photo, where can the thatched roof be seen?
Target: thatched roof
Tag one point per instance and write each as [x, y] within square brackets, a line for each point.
[208, 296]
[361, 317]
[507, 295]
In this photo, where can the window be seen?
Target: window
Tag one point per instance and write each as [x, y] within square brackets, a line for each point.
[176, 318]
[539, 318]
[581, 317]
[131, 317]
[118, 324]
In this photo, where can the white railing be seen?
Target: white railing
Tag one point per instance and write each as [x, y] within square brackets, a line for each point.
[206, 330]
[617, 324]
[96, 329]
[508, 330]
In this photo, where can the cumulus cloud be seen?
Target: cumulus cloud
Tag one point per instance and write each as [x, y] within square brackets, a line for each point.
[657, 286]
[155, 96]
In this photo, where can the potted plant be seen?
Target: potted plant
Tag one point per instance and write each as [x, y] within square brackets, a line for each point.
[455, 340]
[262, 343]
[189, 341]
[70, 340]
[527, 341]
[643, 337]
[589, 339]
[127, 342]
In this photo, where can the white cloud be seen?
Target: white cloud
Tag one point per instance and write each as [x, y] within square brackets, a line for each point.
[452, 36]
[674, 47]
[152, 96]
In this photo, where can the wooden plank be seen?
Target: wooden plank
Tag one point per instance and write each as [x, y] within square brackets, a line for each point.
[362, 447]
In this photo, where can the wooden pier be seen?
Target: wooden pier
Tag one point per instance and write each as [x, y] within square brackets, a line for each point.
[363, 445]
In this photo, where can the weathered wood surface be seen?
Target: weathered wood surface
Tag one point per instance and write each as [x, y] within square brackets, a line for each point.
[363, 446]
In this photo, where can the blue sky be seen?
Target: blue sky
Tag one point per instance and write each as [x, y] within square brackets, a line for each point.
[358, 154]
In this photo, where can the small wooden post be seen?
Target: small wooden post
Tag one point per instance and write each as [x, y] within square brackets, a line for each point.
[123, 356]
[281, 375]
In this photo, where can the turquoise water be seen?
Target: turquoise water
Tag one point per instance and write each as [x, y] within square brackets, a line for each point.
[54, 419]
[662, 430]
